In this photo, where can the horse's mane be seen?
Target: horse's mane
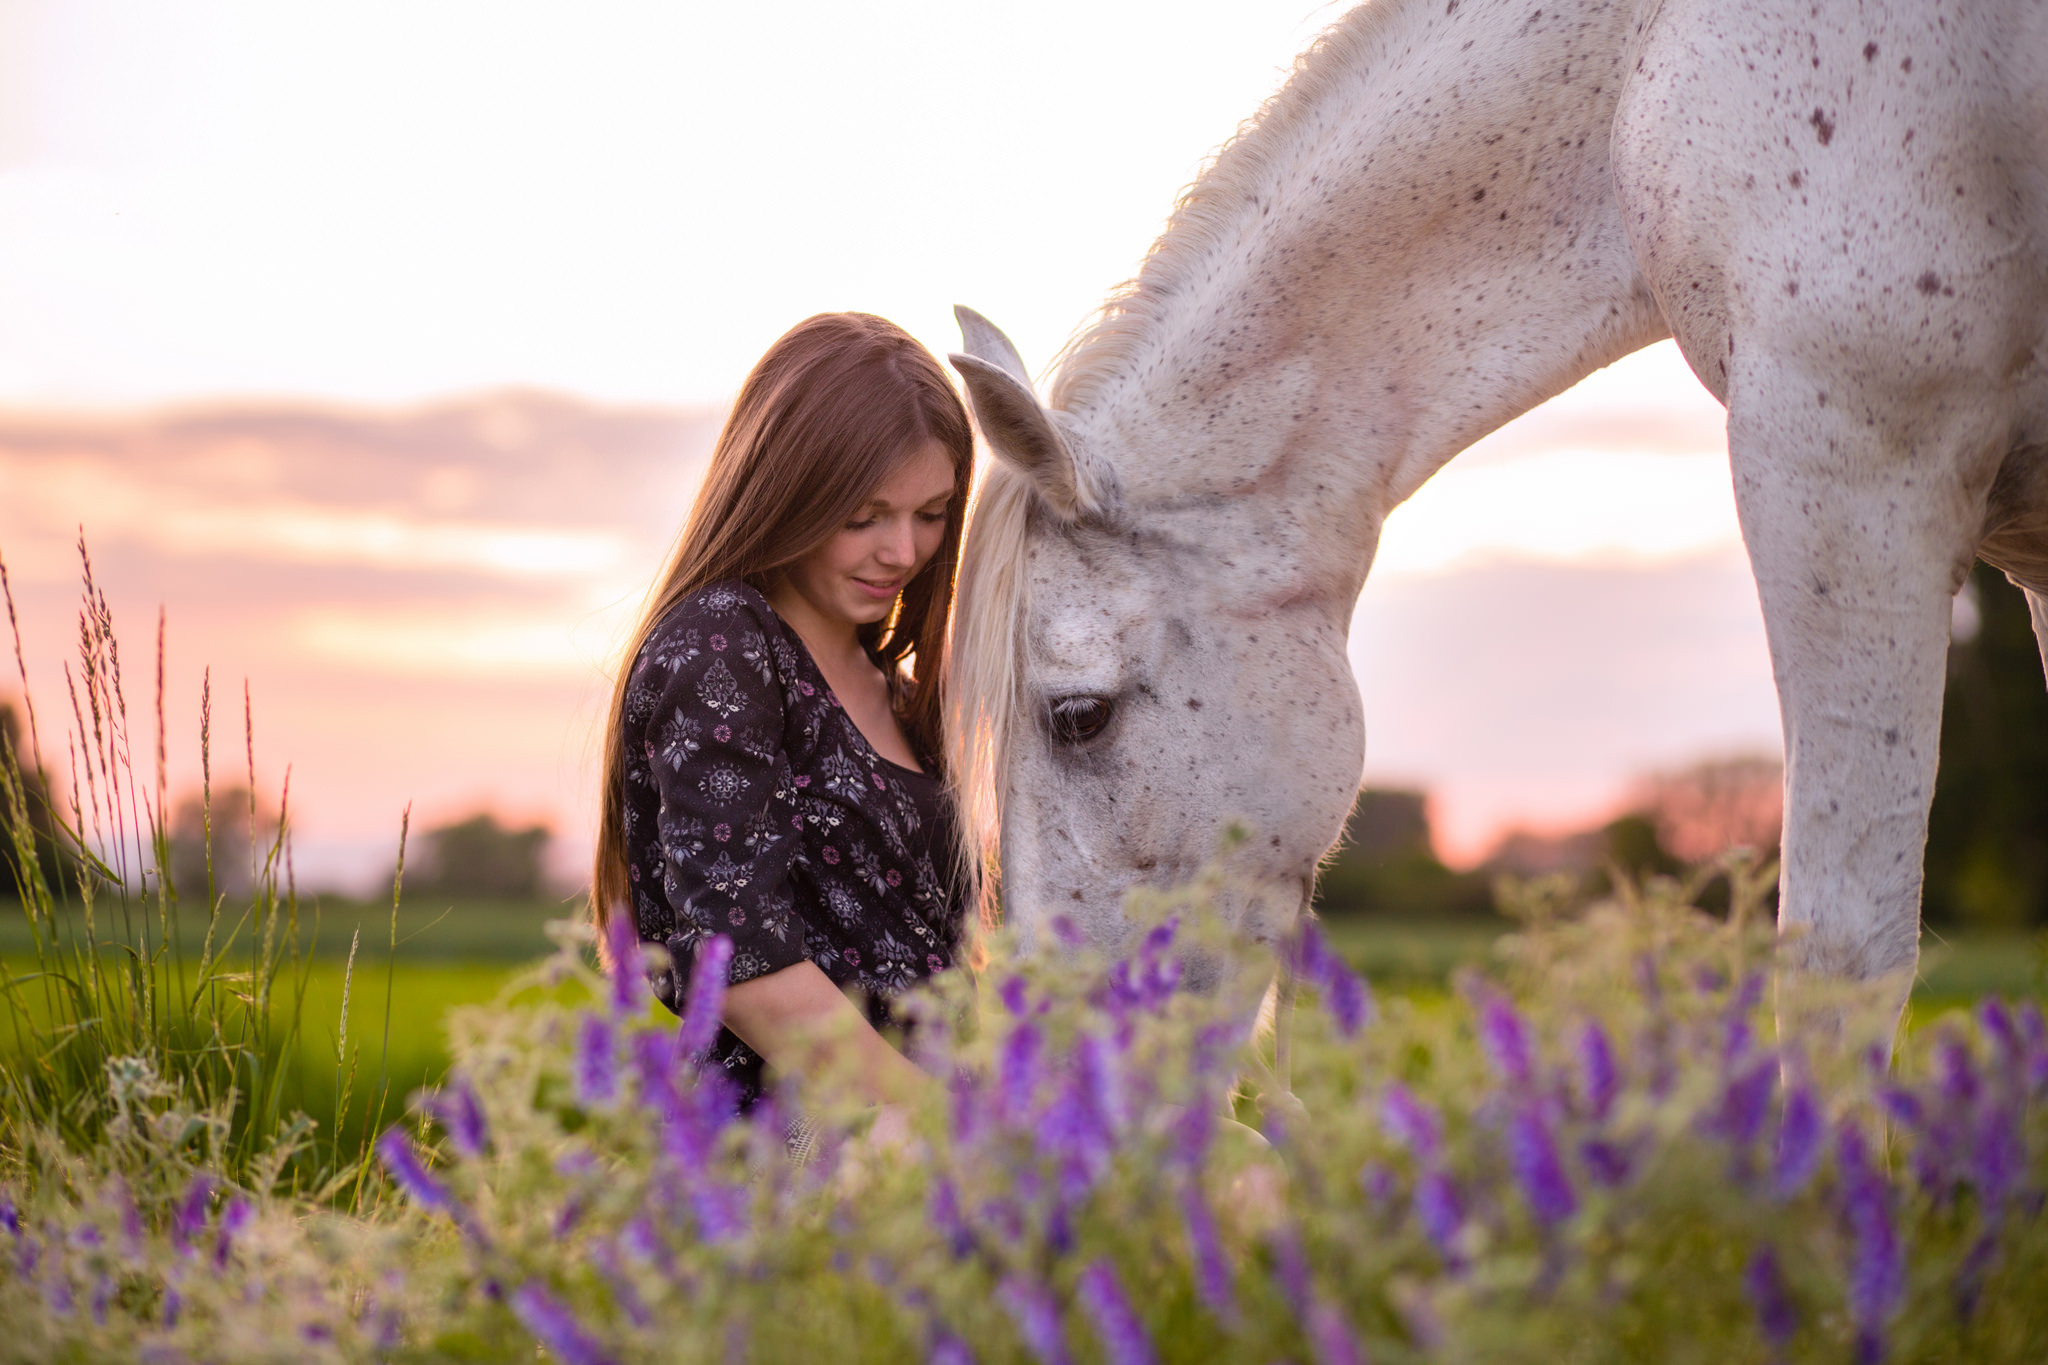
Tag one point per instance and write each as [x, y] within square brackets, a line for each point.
[1244, 167]
[984, 656]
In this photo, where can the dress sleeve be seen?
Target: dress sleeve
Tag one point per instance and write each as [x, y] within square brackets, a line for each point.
[728, 821]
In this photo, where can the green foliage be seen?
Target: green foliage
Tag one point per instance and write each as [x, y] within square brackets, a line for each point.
[1987, 839]
[146, 1008]
[1456, 1178]
[478, 858]
[1383, 865]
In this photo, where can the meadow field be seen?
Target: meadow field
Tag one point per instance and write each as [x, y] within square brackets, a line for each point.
[452, 954]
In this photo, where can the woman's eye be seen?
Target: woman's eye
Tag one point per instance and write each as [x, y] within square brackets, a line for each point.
[1075, 720]
[860, 525]
[932, 518]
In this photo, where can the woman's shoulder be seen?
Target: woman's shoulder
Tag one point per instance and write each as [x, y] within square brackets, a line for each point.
[725, 606]
[721, 626]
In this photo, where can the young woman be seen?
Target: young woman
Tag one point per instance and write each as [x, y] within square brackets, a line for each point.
[771, 763]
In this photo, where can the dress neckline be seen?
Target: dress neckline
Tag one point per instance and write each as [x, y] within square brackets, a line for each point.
[811, 662]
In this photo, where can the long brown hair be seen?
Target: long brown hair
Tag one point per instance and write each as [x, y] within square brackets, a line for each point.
[824, 417]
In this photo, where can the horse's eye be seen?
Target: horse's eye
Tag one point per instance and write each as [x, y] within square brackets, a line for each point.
[1075, 720]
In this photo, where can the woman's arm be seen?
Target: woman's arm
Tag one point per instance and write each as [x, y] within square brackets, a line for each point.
[803, 1024]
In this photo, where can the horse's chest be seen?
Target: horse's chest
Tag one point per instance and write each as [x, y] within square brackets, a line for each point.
[1857, 183]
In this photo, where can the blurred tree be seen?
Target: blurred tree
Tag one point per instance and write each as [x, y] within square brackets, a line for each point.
[1385, 864]
[482, 859]
[235, 863]
[1987, 840]
[42, 820]
[1703, 810]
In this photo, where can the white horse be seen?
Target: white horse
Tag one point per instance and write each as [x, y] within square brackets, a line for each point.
[1454, 210]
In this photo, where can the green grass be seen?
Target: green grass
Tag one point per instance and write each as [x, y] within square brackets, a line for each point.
[429, 927]
[467, 953]
[1418, 956]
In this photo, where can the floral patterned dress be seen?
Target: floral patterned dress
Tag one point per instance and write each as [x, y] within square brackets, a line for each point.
[755, 808]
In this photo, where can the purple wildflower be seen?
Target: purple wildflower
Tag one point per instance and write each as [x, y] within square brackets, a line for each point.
[131, 1220]
[948, 1349]
[946, 1218]
[591, 1065]
[654, 1065]
[1608, 1163]
[1996, 1018]
[456, 1106]
[1124, 1339]
[1290, 1267]
[1212, 1267]
[1877, 1266]
[1799, 1142]
[396, 1151]
[2034, 1029]
[1411, 1122]
[234, 1221]
[189, 1219]
[1348, 999]
[1331, 1336]
[1532, 1155]
[1998, 1156]
[1019, 1069]
[1379, 1183]
[707, 997]
[1745, 1100]
[1506, 1040]
[1160, 974]
[1037, 1315]
[1102, 1082]
[1194, 1130]
[1598, 1074]
[1959, 1084]
[1902, 1106]
[555, 1327]
[1442, 1215]
[605, 1255]
[1775, 1315]
[622, 946]
[1968, 1282]
[1015, 997]
[1736, 1039]
[1344, 994]
[10, 1217]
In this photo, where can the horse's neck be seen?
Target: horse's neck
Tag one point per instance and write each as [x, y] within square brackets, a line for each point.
[1418, 242]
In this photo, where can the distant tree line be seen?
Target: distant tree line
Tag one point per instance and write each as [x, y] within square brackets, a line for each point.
[478, 858]
[29, 828]
[1987, 845]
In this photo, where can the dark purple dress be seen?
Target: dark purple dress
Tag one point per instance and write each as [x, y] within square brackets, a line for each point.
[755, 808]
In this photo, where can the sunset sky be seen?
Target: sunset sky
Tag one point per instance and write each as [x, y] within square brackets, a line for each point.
[380, 344]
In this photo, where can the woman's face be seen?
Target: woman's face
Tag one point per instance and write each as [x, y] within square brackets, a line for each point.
[854, 577]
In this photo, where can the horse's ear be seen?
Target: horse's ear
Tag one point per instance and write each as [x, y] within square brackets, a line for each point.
[984, 340]
[1021, 432]
[1018, 428]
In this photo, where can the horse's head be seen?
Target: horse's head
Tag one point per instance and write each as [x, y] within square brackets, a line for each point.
[1140, 660]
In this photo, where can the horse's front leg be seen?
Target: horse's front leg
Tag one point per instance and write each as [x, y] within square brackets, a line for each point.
[2037, 603]
[1860, 524]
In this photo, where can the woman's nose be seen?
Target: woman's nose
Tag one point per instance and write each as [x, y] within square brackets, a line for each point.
[899, 547]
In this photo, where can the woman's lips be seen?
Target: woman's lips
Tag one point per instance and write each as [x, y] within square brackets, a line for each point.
[881, 592]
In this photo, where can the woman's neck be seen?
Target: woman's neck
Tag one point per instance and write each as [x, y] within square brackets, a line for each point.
[834, 643]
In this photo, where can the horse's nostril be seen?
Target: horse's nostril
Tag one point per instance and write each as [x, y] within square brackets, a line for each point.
[1147, 864]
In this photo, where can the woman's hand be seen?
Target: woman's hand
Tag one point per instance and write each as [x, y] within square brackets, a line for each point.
[803, 1025]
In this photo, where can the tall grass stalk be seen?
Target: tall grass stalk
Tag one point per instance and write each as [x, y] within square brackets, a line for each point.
[116, 1035]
